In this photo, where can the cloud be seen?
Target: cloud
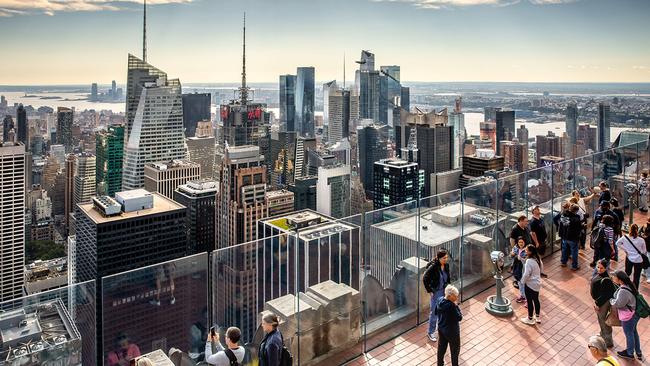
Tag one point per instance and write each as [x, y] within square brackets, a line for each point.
[442, 4]
[50, 7]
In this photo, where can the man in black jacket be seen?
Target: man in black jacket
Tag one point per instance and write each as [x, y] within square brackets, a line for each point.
[449, 317]
[569, 229]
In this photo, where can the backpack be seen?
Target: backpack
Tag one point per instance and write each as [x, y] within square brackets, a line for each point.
[563, 226]
[597, 238]
[642, 308]
[286, 359]
[231, 357]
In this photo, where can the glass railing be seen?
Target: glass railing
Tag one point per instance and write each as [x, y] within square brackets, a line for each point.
[340, 288]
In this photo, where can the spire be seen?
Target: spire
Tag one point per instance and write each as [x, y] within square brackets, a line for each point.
[144, 32]
[243, 91]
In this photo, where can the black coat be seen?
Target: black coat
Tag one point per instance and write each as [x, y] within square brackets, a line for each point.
[431, 278]
[602, 288]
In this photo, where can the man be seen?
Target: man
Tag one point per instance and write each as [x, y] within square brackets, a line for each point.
[605, 194]
[569, 229]
[598, 350]
[538, 232]
[605, 209]
[449, 317]
[520, 229]
[224, 356]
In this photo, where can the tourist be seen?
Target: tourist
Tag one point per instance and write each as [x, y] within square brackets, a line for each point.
[569, 228]
[605, 209]
[223, 357]
[643, 192]
[583, 201]
[602, 240]
[449, 317]
[125, 351]
[605, 194]
[633, 246]
[537, 230]
[620, 216]
[532, 282]
[270, 351]
[436, 277]
[602, 290]
[518, 255]
[598, 349]
[644, 232]
[624, 302]
[520, 229]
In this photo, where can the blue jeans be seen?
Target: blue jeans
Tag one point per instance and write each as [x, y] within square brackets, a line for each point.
[568, 245]
[631, 335]
[433, 318]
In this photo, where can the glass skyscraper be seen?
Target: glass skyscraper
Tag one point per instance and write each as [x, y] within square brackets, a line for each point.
[304, 99]
[288, 103]
[109, 150]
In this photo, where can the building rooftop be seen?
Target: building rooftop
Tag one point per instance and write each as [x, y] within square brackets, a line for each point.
[171, 164]
[199, 186]
[160, 204]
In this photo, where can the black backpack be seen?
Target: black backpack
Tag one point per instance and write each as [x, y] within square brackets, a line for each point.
[563, 226]
[231, 357]
[597, 238]
[286, 359]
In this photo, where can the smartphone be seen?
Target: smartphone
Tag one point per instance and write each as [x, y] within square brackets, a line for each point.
[213, 331]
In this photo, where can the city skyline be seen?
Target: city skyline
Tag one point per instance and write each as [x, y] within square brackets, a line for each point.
[446, 40]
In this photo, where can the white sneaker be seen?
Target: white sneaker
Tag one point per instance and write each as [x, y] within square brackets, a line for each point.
[528, 321]
[154, 302]
[538, 320]
[432, 337]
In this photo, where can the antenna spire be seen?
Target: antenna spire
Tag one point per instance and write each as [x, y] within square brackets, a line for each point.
[243, 92]
[144, 33]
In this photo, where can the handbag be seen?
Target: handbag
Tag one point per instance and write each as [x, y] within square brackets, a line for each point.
[625, 314]
[612, 318]
[645, 261]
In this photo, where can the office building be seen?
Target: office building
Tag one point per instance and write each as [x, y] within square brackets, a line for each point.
[549, 145]
[338, 114]
[64, 118]
[397, 181]
[327, 88]
[7, 128]
[165, 177]
[157, 130]
[280, 160]
[515, 155]
[457, 122]
[369, 95]
[12, 219]
[333, 190]
[304, 100]
[372, 147]
[604, 122]
[589, 136]
[139, 73]
[278, 202]
[244, 124]
[477, 165]
[288, 103]
[93, 93]
[196, 107]
[304, 191]
[22, 126]
[435, 141]
[444, 182]
[68, 190]
[84, 178]
[199, 198]
[522, 135]
[571, 124]
[202, 149]
[109, 148]
[303, 146]
[58, 151]
[490, 114]
[505, 126]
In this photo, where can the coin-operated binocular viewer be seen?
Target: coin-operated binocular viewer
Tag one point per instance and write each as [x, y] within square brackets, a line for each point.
[497, 304]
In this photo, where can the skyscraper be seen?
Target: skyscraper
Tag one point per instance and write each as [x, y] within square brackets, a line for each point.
[304, 192]
[304, 99]
[333, 190]
[515, 155]
[571, 124]
[93, 93]
[327, 87]
[522, 135]
[339, 114]
[166, 177]
[109, 147]
[7, 128]
[196, 107]
[201, 148]
[505, 124]
[549, 145]
[397, 181]
[604, 139]
[84, 178]
[457, 121]
[373, 140]
[12, 220]
[68, 191]
[64, 118]
[22, 135]
[280, 160]
[139, 73]
[435, 141]
[157, 129]
[288, 103]
[199, 198]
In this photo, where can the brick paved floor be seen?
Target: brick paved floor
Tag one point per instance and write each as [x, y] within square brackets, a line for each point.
[568, 319]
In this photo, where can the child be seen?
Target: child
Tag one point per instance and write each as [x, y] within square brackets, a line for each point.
[518, 257]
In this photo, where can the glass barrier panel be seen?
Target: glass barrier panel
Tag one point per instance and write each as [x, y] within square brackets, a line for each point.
[643, 162]
[481, 235]
[56, 327]
[388, 286]
[162, 308]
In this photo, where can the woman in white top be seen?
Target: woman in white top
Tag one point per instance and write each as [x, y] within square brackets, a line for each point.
[633, 245]
[532, 282]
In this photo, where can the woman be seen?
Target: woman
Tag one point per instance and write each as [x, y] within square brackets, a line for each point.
[643, 192]
[633, 245]
[435, 279]
[602, 290]
[645, 234]
[583, 201]
[605, 249]
[124, 353]
[532, 280]
[624, 302]
[271, 347]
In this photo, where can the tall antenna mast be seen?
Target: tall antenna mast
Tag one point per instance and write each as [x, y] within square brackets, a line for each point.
[243, 92]
[144, 33]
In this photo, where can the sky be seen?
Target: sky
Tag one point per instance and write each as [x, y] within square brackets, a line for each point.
[199, 41]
